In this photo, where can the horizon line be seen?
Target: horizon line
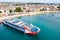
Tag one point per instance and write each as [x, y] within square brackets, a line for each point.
[30, 2]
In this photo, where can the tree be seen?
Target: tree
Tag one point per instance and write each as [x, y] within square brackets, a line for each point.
[0, 11]
[10, 11]
[58, 7]
[42, 9]
[18, 9]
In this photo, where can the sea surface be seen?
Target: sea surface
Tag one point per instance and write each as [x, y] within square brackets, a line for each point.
[48, 23]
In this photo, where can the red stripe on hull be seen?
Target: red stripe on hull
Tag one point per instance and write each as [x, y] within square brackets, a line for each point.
[32, 33]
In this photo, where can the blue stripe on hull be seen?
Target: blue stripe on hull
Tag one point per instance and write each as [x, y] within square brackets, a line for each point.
[14, 27]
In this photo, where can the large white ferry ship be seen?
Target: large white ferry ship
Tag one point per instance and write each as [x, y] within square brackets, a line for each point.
[22, 26]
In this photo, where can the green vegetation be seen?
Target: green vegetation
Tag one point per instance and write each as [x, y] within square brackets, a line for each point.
[10, 11]
[20, 17]
[18, 9]
[58, 7]
[0, 11]
[42, 9]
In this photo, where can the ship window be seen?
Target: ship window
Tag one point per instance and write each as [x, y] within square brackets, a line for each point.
[15, 25]
[15, 20]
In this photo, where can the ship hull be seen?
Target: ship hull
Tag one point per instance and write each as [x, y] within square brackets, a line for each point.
[22, 26]
[19, 29]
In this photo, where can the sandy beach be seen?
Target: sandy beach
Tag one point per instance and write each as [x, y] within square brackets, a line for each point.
[26, 14]
[41, 12]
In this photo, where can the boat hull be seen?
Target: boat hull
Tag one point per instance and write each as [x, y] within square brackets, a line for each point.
[13, 27]
[22, 26]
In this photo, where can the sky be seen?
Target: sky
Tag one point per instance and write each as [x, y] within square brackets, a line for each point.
[34, 1]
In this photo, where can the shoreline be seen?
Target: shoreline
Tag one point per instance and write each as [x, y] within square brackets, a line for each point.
[26, 14]
[42, 12]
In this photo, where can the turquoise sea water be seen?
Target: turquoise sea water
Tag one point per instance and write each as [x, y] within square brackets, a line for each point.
[48, 23]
